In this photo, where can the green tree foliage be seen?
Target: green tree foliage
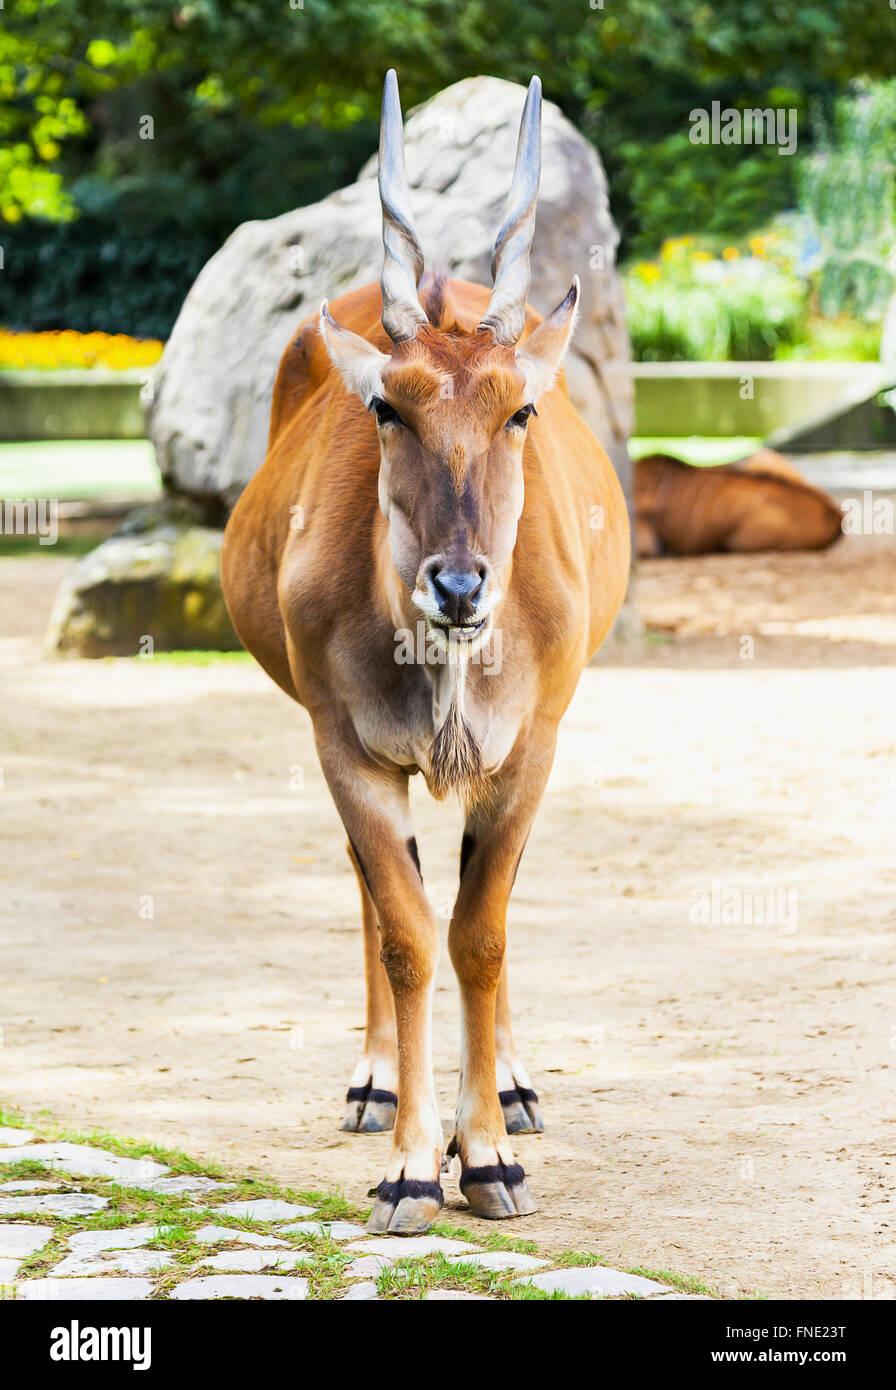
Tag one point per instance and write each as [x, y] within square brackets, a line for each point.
[259, 105]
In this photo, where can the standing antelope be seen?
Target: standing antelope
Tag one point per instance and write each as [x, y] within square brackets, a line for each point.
[432, 492]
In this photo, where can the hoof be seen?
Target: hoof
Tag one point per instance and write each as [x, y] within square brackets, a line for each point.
[521, 1112]
[368, 1111]
[407, 1207]
[497, 1192]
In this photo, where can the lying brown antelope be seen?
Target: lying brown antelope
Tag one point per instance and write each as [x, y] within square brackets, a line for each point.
[758, 503]
[430, 477]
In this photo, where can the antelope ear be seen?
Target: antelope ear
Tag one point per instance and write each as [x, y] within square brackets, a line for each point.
[542, 352]
[359, 362]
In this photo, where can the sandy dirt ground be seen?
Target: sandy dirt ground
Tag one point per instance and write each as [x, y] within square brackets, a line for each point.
[719, 1091]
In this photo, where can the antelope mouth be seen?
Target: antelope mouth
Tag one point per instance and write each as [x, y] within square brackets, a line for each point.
[465, 632]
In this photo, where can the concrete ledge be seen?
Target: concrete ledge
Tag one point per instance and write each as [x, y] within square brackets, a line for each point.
[76, 404]
[743, 398]
[671, 398]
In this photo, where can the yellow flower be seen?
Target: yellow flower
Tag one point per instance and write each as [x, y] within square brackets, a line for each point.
[674, 246]
[757, 245]
[702, 256]
[65, 348]
[730, 253]
[648, 271]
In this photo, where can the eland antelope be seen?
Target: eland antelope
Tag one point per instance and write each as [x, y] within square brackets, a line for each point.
[759, 503]
[443, 483]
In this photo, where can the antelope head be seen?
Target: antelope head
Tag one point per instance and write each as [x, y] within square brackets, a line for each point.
[453, 407]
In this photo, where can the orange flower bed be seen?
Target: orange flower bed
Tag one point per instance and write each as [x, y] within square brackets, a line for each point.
[65, 348]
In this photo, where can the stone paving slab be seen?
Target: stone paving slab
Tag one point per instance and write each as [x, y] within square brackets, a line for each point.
[65, 1204]
[251, 1261]
[336, 1230]
[594, 1280]
[15, 1136]
[125, 1261]
[124, 1238]
[368, 1265]
[267, 1286]
[86, 1162]
[498, 1260]
[8, 1270]
[211, 1235]
[84, 1290]
[21, 1240]
[358, 1293]
[188, 1182]
[262, 1209]
[35, 1186]
[410, 1247]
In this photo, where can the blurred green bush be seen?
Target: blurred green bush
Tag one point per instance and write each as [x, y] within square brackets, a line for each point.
[689, 305]
[97, 272]
[848, 194]
[132, 246]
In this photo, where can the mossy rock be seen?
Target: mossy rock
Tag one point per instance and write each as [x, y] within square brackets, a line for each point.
[158, 590]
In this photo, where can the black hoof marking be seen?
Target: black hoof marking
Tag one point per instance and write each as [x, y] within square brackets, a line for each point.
[497, 1191]
[521, 1112]
[392, 1192]
[368, 1110]
[510, 1174]
[405, 1207]
[370, 1093]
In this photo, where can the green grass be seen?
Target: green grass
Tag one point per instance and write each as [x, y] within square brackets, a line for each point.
[841, 339]
[195, 658]
[577, 1259]
[75, 469]
[495, 1243]
[30, 548]
[701, 450]
[685, 1283]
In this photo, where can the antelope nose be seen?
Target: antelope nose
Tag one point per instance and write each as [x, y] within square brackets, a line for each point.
[458, 593]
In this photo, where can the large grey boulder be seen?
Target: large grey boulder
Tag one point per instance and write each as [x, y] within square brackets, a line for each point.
[209, 419]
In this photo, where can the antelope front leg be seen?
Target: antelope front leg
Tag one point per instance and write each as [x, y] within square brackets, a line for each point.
[491, 1180]
[373, 805]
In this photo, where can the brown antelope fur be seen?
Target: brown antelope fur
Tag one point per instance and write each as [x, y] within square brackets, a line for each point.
[476, 524]
[758, 503]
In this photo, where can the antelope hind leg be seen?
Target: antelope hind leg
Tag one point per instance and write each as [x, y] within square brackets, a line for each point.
[371, 1100]
[518, 1101]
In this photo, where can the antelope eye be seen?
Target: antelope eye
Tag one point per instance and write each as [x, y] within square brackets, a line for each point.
[521, 418]
[384, 412]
